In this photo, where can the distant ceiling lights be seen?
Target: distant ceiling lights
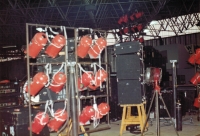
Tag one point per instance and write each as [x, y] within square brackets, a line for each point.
[9, 46]
[9, 59]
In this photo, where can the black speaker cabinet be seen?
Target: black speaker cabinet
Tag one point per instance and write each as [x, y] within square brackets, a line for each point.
[129, 91]
[20, 130]
[168, 99]
[128, 66]
[127, 47]
[115, 109]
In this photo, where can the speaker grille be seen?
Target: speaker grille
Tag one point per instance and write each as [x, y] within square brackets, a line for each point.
[129, 92]
[128, 66]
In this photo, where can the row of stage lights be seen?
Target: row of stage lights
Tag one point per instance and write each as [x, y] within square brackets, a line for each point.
[57, 119]
[85, 46]
[128, 28]
[195, 80]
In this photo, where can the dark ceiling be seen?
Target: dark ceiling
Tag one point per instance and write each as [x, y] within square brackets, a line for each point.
[99, 14]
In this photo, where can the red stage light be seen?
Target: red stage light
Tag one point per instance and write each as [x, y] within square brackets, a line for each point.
[195, 79]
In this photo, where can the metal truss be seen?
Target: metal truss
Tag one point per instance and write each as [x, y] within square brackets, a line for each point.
[98, 14]
[176, 25]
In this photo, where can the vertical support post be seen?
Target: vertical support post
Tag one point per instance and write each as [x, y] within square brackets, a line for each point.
[73, 100]
[178, 116]
[142, 71]
[107, 90]
[174, 82]
[198, 95]
[157, 115]
[28, 76]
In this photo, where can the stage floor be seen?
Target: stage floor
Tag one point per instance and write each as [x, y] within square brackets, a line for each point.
[190, 127]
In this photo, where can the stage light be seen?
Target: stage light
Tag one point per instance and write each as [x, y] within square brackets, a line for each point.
[139, 14]
[195, 79]
[153, 74]
[194, 58]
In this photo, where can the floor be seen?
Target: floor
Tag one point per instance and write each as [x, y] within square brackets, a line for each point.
[190, 127]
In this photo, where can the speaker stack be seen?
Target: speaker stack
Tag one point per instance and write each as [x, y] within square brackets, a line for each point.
[129, 67]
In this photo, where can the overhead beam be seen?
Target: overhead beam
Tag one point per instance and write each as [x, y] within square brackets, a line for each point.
[90, 13]
[53, 3]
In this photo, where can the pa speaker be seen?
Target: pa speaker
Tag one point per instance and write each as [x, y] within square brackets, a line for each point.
[128, 66]
[129, 91]
[127, 47]
[168, 99]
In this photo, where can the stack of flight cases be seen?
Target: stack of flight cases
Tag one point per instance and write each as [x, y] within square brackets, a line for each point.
[15, 122]
[129, 68]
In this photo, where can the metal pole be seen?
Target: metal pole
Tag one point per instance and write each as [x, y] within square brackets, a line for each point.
[174, 86]
[178, 116]
[74, 114]
[157, 116]
[145, 123]
[28, 76]
[168, 114]
[142, 71]
[107, 90]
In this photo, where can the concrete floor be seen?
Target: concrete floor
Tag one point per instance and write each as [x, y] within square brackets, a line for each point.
[190, 127]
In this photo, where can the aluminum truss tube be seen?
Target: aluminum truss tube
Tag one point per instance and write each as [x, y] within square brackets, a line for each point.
[174, 86]
[103, 15]
[157, 8]
[157, 116]
[107, 90]
[73, 100]
[59, 11]
[28, 76]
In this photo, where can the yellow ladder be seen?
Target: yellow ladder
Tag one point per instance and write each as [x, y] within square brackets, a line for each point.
[128, 119]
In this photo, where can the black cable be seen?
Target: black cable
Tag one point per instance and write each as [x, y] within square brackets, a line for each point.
[136, 130]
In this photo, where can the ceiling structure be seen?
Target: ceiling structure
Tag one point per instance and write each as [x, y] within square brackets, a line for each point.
[97, 14]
